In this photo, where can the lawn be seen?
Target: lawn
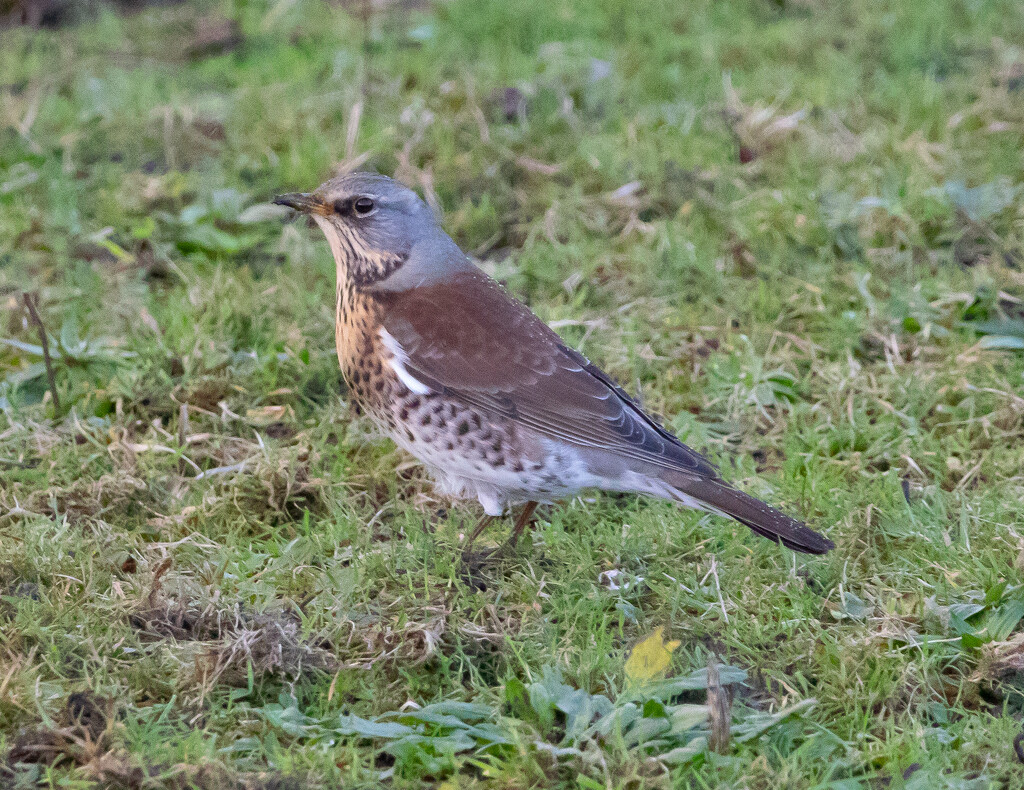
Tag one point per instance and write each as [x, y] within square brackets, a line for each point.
[795, 229]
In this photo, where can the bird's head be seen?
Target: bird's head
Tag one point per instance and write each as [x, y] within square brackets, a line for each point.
[376, 228]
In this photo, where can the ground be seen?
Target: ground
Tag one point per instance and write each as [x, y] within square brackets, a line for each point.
[794, 228]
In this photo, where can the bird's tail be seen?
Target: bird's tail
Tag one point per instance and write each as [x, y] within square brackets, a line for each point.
[718, 496]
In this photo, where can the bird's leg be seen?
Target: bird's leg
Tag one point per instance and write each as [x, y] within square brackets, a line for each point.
[521, 521]
[481, 525]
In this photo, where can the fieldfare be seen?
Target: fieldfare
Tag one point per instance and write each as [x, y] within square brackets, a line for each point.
[480, 390]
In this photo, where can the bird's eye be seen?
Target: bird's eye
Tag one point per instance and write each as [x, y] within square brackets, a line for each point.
[362, 206]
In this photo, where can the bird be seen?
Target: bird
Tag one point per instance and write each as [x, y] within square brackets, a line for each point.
[474, 385]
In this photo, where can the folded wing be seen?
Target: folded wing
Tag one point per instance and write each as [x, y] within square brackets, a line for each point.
[468, 337]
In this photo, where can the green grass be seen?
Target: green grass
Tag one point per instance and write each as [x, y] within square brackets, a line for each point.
[207, 565]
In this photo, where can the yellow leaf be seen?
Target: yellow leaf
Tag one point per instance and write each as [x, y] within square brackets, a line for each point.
[650, 657]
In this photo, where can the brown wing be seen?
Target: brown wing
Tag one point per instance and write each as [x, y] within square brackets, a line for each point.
[468, 337]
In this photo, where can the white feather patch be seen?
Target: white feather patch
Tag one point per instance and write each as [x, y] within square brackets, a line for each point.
[397, 362]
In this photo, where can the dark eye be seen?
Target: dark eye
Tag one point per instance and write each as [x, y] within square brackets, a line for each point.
[362, 206]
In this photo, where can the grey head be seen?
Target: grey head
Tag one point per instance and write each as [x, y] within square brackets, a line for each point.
[383, 236]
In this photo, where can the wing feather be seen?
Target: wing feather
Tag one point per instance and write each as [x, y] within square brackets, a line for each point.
[468, 337]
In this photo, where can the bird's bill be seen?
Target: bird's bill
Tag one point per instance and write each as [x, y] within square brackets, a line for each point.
[306, 202]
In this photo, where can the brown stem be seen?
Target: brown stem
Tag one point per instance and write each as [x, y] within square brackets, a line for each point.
[30, 303]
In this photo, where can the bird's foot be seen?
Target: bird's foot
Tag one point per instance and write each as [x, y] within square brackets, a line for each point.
[478, 565]
[474, 557]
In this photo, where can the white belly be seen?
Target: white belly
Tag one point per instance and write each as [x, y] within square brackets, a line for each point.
[561, 474]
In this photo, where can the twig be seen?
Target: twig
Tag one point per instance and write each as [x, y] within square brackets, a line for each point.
[154, 589]
[718, 587]
[352, 131]
[29, 300]
[719, 710]
[183, 424]
[221, 470]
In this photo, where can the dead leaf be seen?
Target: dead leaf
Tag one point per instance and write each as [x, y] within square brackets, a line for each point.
[264, 415]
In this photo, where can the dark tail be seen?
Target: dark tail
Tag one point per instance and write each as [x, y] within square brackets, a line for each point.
[762, 519]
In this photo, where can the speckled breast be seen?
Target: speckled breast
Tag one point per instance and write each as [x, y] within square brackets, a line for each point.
[371, 382]
[456, 441]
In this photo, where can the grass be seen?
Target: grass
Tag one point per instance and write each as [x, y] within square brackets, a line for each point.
[794, 227]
